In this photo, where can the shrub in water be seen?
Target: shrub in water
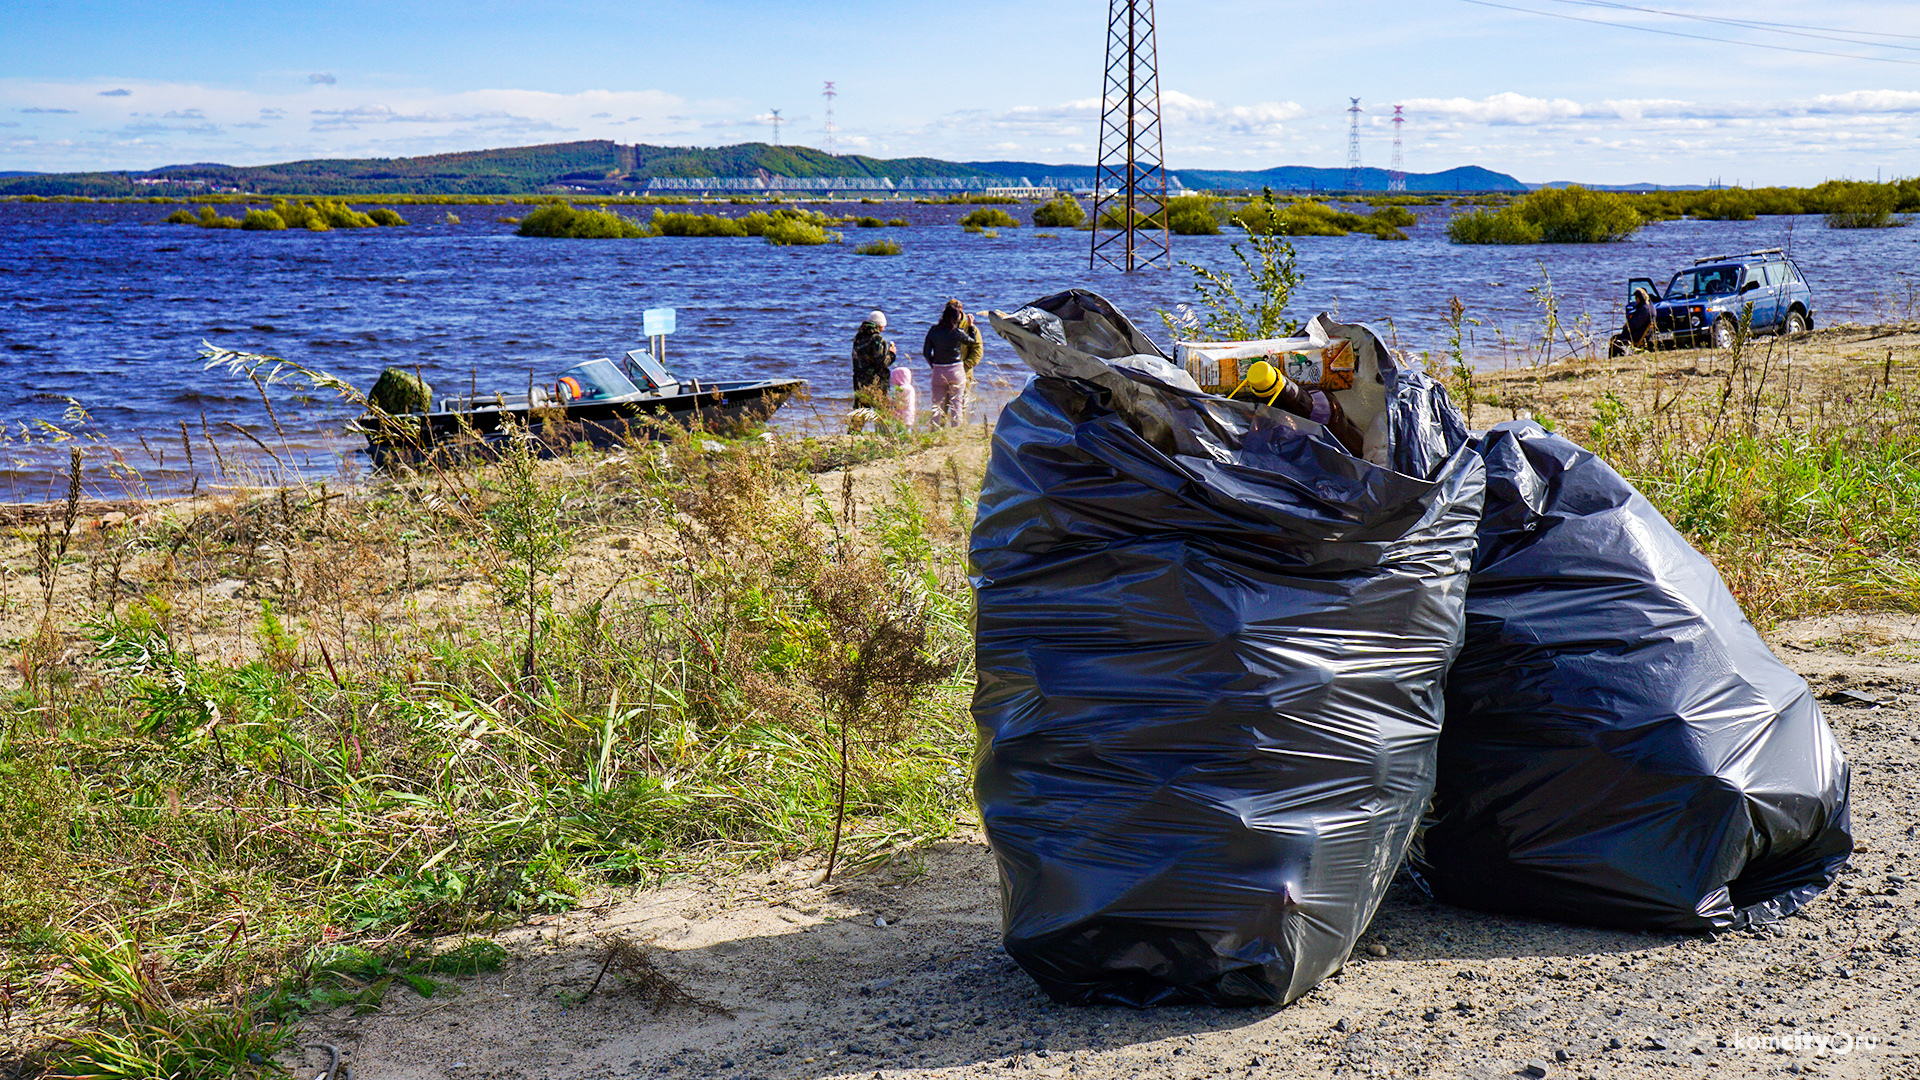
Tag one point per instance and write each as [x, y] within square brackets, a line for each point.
[878, 247]
[668, 223]
[1570, 215]
[1193, 222]
[1576, 215]
[1395, 215]
[867, 222]
[899, 222]
[791, 232]
[263, 220]
[208, 218]
[563, 221]
[1854, 204]
[990, 217]
[1492, 227]
[384, 216]
[1061, 212]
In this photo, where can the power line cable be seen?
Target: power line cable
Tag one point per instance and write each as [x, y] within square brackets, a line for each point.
[1790, 29]
[1695, 37]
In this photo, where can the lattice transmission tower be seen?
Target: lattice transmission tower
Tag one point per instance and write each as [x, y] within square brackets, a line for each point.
[829, 94]
[1353, 145]
[1397, 172]
[1130, 177]
[776, 126]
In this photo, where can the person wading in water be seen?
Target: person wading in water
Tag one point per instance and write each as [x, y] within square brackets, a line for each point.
[948, 344]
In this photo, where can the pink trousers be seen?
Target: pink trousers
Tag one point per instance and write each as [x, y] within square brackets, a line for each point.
[949, 397]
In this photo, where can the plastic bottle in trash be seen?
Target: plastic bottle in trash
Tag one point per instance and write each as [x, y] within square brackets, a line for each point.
[1267, 382]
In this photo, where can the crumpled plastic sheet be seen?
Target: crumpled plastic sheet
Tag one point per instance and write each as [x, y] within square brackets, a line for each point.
[1210, 648]
[1620, 747]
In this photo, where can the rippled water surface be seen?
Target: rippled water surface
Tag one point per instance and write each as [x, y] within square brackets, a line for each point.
[106, 306]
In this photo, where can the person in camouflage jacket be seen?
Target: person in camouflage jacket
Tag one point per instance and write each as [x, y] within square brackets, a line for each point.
[873, 356]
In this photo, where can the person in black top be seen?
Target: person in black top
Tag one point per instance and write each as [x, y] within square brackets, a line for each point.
[945, 350]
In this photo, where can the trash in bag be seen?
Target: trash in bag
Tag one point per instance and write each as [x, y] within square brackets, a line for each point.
[1210, 644]
[1620, 745]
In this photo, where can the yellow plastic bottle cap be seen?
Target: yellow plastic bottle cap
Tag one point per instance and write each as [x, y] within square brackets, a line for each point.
[1262, 378]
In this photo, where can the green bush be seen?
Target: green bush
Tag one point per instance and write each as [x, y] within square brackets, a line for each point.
[560, 220]
[1853, 204]
[990, 217]
[1570, 215]
[899, 222]
[793, 232]
[1395, 215]
[263, 220]
[864, 222]
[207, 218]
[668, 223]
[385, 216]
[1063, 211]
[1504, 226]
[1729, 205]
[1576, 215]
[1193, 222]
[178, 217]
[878, 247]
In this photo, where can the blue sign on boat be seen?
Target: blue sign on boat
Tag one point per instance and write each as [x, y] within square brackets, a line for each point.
[656, 321]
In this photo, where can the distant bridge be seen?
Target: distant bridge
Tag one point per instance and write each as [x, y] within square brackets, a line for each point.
[953, 185]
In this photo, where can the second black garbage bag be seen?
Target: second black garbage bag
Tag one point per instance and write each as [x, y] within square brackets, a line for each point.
[1210, 648]
[1621, 747]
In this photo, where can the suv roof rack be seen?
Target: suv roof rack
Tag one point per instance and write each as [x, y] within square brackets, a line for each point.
[1744, 255]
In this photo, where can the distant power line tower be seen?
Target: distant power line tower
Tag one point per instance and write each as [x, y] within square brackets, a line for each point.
[1353, 145]
[829, 94]
[776, 126]
[1397, 172]
[1130, 177]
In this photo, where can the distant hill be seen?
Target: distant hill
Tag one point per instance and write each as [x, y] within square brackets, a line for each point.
[605, 165]
[1307, 178]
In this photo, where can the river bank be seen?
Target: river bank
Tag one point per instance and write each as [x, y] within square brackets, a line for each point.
[301, 737]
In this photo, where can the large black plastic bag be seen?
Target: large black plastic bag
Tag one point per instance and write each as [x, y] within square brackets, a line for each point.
[1621, 747]
[1210, 645]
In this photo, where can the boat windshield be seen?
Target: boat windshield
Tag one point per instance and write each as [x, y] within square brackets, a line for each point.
[599, 380]
[1705, 281]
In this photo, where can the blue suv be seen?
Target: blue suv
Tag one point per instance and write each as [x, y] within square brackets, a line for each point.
[1703, 305]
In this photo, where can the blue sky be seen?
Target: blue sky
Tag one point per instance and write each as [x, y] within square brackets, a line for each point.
[112, 84]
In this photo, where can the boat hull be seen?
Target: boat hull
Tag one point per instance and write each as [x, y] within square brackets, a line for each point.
[718, 407]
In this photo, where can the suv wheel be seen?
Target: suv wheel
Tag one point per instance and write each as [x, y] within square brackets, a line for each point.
[1723, 333]
[1796, 322]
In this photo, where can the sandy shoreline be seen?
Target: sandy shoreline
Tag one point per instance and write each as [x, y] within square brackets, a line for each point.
[818, 987]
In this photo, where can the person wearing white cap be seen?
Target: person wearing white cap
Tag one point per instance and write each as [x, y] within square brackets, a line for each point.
[873, 355]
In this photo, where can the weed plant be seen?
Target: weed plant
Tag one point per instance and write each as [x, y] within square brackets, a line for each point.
[878, 247]
[1800, 480]
[1221, 311]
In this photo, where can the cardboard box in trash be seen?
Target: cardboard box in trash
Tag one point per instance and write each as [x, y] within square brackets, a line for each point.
[1218, 366]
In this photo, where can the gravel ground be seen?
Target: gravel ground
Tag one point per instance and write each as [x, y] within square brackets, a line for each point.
[899, 973]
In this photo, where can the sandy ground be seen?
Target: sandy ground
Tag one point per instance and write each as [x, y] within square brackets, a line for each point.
[899, 973]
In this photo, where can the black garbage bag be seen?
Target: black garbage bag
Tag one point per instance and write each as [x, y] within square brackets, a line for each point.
[1620, 747]
[1210, 645]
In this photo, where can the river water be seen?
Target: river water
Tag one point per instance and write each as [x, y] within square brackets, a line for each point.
[104, 306]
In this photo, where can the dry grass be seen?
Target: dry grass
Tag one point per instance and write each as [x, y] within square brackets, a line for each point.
[1793, 463]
